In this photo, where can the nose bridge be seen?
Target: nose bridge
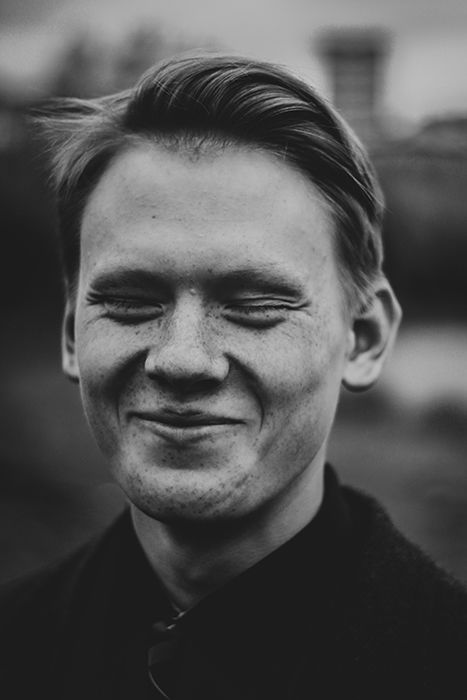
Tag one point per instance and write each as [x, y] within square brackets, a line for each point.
[186, 348]
[188, 326]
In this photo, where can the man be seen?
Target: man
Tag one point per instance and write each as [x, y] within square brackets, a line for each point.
[220, 230]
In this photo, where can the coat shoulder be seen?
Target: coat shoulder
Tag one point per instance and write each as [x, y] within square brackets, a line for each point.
[35, 607]
[40, 599]
[407, 610]
[389, 561]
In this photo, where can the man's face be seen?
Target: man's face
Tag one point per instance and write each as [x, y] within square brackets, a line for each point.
[210, 334]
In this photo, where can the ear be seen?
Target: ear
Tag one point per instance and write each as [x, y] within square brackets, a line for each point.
[69, 360]
[373, 333]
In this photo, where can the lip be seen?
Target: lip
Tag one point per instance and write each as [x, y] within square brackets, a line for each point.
[179, 426]
[185, 419]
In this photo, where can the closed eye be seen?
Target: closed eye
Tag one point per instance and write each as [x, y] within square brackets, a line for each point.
[128, 309]
[258, 308]
[259, 313]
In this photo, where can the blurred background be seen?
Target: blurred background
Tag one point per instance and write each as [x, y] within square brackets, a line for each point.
[396, 71]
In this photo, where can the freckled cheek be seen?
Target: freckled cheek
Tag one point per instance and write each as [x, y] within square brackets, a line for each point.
[282, 372]
[105, 360]
[299, 359]
[299, 371]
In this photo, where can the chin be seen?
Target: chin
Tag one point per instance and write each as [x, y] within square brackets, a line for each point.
[176, 495]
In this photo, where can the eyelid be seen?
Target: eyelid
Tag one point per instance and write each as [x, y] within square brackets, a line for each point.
[122, 298]
[126, 308]
[133, 303]
[260, 302]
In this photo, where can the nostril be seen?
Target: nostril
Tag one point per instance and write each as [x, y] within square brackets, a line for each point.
[182, 385]
[187, 369]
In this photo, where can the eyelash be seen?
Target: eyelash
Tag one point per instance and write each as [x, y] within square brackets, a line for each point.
[255, 308]
[127, 303]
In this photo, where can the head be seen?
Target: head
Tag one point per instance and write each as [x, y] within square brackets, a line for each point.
[220, 233]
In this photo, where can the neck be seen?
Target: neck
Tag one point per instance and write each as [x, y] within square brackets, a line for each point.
[193, 559]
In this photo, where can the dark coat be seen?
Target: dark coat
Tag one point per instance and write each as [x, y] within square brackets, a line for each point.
[346, 609]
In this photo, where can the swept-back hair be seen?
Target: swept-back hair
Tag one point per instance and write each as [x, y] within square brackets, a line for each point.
[193, 99]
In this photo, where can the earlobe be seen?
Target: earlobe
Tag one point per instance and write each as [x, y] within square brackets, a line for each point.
[374, 331]
[69, 360]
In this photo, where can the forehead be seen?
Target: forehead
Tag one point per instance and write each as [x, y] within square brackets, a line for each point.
[230, 206]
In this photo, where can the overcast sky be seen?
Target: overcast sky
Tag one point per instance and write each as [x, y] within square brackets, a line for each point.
[426, 70]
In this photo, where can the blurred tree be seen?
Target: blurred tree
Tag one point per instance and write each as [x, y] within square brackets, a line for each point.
[425, 181]
[82, 70]
[29, 257]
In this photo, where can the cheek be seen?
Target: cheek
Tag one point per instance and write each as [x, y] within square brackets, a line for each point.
[104, 359]
[302, 392]
[105, 356]
[302, 361]
[104, 348]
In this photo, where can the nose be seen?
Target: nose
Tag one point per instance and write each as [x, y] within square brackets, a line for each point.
[186, 356]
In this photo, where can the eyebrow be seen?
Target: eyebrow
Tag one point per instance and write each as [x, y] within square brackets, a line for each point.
[129, 278]
[265, 279]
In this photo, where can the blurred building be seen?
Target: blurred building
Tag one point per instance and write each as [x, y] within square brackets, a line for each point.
[355, 61]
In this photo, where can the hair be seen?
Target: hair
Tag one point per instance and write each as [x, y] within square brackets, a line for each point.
[191, 100]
